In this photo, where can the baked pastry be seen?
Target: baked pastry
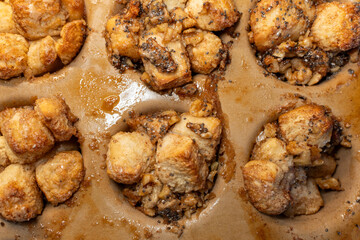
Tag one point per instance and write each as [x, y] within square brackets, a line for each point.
[28, 135]
[179, 164]
[42, 56]
[60, 177]
[20, 197]
[40, 36]
[291, 159]
[31, 133]
[302, 42]
[122, 37]
[6, 19]
[205, 50]
[164, 56]
[206, 132]
[28, 138]
[156, 39]
[155, 125]
[13, 55]
[265, 186]
[56, 115]
[72, 38]
[213, 15]
[128, 156]
[273, 22]
[336, 26]
[4, 160]
[168, 163]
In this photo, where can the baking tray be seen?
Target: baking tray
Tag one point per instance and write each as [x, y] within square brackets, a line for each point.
[248, 100]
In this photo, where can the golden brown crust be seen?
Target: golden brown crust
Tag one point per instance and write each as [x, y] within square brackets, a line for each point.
[42, 57]
[205, 50]
[74, 8]
[26, 135]
[273, 150]
[38, 21]
[275, 21]
[206, 131]
[263, 182]
[4, 160]
[309, 123]
[122, 37]
[179, 164]
[213, 15]
[16, 158]
[13, 55]
[57, 116]
[7, 24]
[128, 156]
[6, 114]
[72, 38]
[179, 15]
[291, 158]
[180, 180]
[36, 18]
[60, 177]
[337, 26]
[20, 197]
[162, 74]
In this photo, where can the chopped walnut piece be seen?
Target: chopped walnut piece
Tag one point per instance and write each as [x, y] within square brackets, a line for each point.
[200, 108]
[329, 184]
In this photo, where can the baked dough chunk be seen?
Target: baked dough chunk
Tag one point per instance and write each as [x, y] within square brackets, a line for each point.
[294, 152]
[122, 37]
[42, 56]
[7, 24]
[171, 4]
[309, 123]
[13, 157]
[306, 199]
[156, 11]
[20, 197]
[36, 19]
[213, 15]
[4, 160]
[164, 56]
[155, 125]
[60, 177]
[275, 21]
[179, 164]
[274, 150]
[13, 55]
[74, 8]
[205, 50]
[128, 156]
[337, 26]
[179, 15]
[266, 186]
[27, 136]
[72, 38]
[56, 115]
[206, 131]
